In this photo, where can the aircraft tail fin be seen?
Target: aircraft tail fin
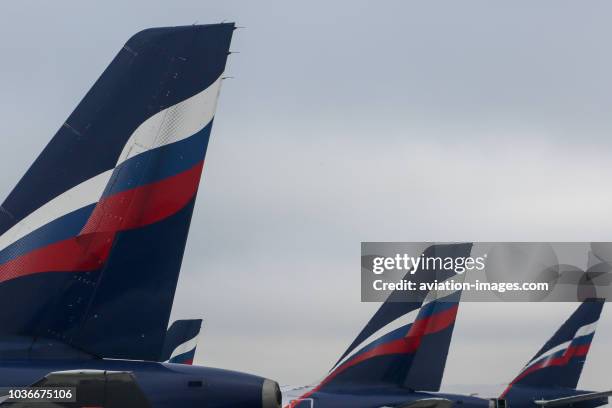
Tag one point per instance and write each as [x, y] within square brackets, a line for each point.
[559, 362]
[92, 237]
[401, 346]
[181, 341]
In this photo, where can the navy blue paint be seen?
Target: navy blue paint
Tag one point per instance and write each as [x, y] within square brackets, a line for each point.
[157, 68]
[389, 369]
[121, 311]
[165, 385]
[179, 333]
[388, 312]
[523, 396]
[40, 304]
[427, 367]
[420, 370]
[351, 391]
[588, 312]
[559, 381]
[386, 381]
[394, 368]
[396, 305]
[376, 396]
[397, 380]
[566, 376]
[129, 313]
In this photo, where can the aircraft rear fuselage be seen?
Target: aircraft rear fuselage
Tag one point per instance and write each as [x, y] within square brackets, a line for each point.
[357, 396]
[165, 385]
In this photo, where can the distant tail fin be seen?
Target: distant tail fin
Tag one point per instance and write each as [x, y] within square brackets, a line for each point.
[181, 341]
[559, 362]
[93, 235]
[397, 347]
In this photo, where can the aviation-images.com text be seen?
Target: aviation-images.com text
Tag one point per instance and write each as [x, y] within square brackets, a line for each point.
[435, 264]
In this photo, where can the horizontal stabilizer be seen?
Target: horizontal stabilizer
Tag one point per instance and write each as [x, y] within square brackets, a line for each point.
[566, 401]
[427, 403]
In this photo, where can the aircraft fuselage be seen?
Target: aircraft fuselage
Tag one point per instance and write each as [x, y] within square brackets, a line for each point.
[371, 397]
[165, 385]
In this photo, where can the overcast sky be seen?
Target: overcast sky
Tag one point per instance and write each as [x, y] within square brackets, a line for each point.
[347, 122]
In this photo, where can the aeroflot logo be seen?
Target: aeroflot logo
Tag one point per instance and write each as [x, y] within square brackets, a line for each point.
[405, 262]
